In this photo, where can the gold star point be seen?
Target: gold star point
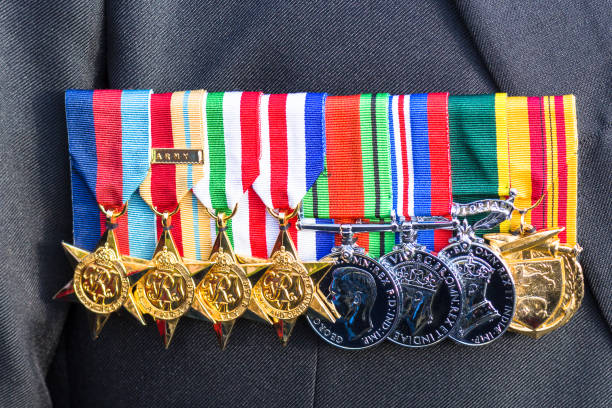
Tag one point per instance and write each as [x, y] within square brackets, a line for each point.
[223, 256]
[166, 257]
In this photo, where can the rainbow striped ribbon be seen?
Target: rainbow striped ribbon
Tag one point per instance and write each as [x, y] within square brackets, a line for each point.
[108, 140]
[293, 150]
[177, 124]
[543, 147]
[368, 169]
[479, 148]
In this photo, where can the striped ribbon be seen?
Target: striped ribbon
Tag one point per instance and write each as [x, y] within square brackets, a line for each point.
[108, 139]
[420, 161]
[293, 150]
[479, 148]
[357, 181]
[368, 170]
[543, 160]
[231, 156]
[177, 123]
[293, 147]
[255, 232]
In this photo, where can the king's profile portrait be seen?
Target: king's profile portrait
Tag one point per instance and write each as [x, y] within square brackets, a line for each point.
[353, 293]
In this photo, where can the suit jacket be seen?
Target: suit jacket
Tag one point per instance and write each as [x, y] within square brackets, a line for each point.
[342, 47]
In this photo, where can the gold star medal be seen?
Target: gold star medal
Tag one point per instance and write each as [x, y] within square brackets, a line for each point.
[101, 280]
[178, 160]
[111, 174]
[231, 165]
[292, 157]
[165, 290]
[225, 291]
[289, 288]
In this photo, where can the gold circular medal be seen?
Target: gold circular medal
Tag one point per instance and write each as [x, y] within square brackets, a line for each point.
[548, 279]
[285, 290]
[166, 291]
[100, 281]
[568, 299]
[225, 291]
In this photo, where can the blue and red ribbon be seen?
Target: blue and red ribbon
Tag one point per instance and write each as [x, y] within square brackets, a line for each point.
[420, 161]
[109, 141]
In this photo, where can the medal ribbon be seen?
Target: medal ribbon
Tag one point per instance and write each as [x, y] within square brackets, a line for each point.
[357, 180]
[543, 160]
[293, 147]
[356, 183]
[108, 139]
[293, 151]
[231, 157]
[255, 232]
[420, 161]
[188, 133]
[231, 154]
[479, 148]
[176, 123]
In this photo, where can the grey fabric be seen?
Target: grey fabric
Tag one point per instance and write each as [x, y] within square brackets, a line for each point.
[340, 47]
[44, 49]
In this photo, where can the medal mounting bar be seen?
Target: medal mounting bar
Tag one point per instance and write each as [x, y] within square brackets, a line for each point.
[419, 223]
[177, 156]
[499, 211]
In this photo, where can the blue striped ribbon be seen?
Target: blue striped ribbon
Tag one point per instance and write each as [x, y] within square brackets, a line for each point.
[135, 143]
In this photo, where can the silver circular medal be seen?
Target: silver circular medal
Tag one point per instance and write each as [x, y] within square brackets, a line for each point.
[431, 296]
[365, 295]
[488, 292]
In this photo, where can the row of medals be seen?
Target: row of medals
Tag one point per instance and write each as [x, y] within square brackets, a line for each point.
[471, 292]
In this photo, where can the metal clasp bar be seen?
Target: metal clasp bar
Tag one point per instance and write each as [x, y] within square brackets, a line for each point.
[418, 223]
